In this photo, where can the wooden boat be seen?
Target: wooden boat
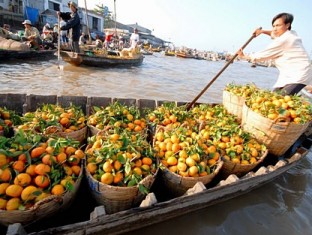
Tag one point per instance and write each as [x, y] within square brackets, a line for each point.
[33, 54]
[170, 53]
[167, 206]
[184, 55]
[90, 59]
[146, 52]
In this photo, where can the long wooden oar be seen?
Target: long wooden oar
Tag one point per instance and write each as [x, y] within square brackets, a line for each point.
[221, 71]
[59, 43]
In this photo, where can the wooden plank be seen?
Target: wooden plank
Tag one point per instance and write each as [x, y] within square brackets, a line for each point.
[13, 102]
[35, 101]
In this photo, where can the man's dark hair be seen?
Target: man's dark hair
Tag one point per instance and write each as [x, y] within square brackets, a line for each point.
[288, 18]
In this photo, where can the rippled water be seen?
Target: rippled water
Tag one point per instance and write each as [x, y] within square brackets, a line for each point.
[280, 207]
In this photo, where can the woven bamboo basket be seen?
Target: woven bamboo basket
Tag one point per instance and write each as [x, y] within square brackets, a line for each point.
[233, 104]
[277, 135]
[79, 135]
[237, 169]
[42, 209]
[93, 130]
[178, 185]
[115, 198]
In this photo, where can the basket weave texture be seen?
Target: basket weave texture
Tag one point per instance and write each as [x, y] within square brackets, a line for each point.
[230, 167]
[277, 135]
[233, 104]
[115, 198]
[178, 185]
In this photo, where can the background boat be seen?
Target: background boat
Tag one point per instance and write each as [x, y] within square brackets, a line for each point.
[90, 59]
[32, 54]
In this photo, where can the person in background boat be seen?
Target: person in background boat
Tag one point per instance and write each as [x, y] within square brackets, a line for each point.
[47, 32]
[73, 23]
[7, 27]
[82, 39]
[47, 37]
[108, 39]
[134, 41]
[64, 37]
[31, 35]
[286, 49]
[98, 42]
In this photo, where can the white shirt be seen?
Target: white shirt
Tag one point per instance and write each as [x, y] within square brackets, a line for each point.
[291, 59]
[134, 39]
[63, 32]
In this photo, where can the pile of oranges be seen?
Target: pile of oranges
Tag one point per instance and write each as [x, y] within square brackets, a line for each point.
[8, 118]
[117, 116]
[61, 119]
[284, 107]
[33, 167]
[120, 154]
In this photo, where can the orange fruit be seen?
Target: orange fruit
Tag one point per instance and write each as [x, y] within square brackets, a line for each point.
[36, 152]
[14, 190]
[49, 149]
[137, 170]
[193, 171]
[172, 161]
[107, 178]
[42, 169]
[91, 167]
[65, 121]
[5, 175]
[22, 179]
[79, 153]
[147, 161]
[42, 181]
[190, 162]
[70, 150]
[3, 187]
[3, 204]
[22, 157]
[28, 193]
[13, 204]
[67, 180]
[61, 157]
[3, 160]
[107, 167]
[76, 169]
[117, 165]
[48, 159]
[118, 177]
[19, 165]
[181, 166]
[68, 170]
[57, 189]
[73, 160]
[31, 170]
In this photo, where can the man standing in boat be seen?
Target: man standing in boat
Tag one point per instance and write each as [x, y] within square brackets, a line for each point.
[73, 22]
[134, 40]
[286, 49]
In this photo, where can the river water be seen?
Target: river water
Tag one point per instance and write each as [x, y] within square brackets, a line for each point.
[280, 207]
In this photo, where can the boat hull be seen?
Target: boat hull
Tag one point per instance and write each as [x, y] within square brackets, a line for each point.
[42, 54]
